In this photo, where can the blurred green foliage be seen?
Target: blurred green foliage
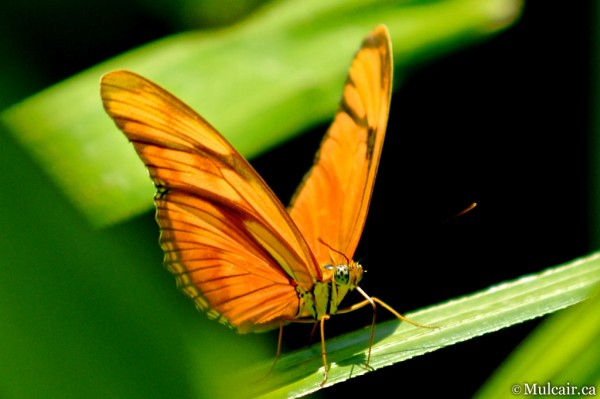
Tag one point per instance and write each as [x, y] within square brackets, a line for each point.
[279, 72]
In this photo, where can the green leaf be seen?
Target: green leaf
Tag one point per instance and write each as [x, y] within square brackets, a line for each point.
[561, 353]
[259, 82]
[500, 306]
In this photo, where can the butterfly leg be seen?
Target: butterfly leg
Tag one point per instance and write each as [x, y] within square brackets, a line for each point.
[398, 315]
[321, 324]
[324, 350]
[279, 341]
[312, 332]
[373, 301]
[368, 300]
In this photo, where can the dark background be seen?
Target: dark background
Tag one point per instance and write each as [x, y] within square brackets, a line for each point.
[506, 124]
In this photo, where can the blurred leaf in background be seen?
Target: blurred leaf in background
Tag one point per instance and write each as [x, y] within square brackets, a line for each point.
[259, 82]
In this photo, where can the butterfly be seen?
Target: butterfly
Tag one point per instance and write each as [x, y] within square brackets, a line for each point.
[234, 249]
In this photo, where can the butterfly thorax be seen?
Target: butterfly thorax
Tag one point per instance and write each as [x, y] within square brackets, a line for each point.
[326, 295]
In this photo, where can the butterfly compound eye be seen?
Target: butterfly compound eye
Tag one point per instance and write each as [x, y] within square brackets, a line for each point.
[342, 275]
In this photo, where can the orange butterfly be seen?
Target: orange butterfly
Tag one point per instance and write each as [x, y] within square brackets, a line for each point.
[233, 247]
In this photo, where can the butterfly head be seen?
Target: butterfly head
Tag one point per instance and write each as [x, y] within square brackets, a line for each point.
[342, 275]
[337, 282]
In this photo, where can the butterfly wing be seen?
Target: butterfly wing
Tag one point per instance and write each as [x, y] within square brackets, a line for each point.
[227, 238]
[332, 203]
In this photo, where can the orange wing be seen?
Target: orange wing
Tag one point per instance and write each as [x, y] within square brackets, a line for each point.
[332, 203]
[230, 242]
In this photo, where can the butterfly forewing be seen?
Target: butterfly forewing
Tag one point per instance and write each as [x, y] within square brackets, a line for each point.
[331, 205]
[226, 236]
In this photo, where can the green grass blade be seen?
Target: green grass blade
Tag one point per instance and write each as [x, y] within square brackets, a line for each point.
[561, 353]
[259, 82]
[501, 306]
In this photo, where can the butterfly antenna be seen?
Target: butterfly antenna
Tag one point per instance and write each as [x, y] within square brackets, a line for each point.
[463, 212]
[335, 250]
